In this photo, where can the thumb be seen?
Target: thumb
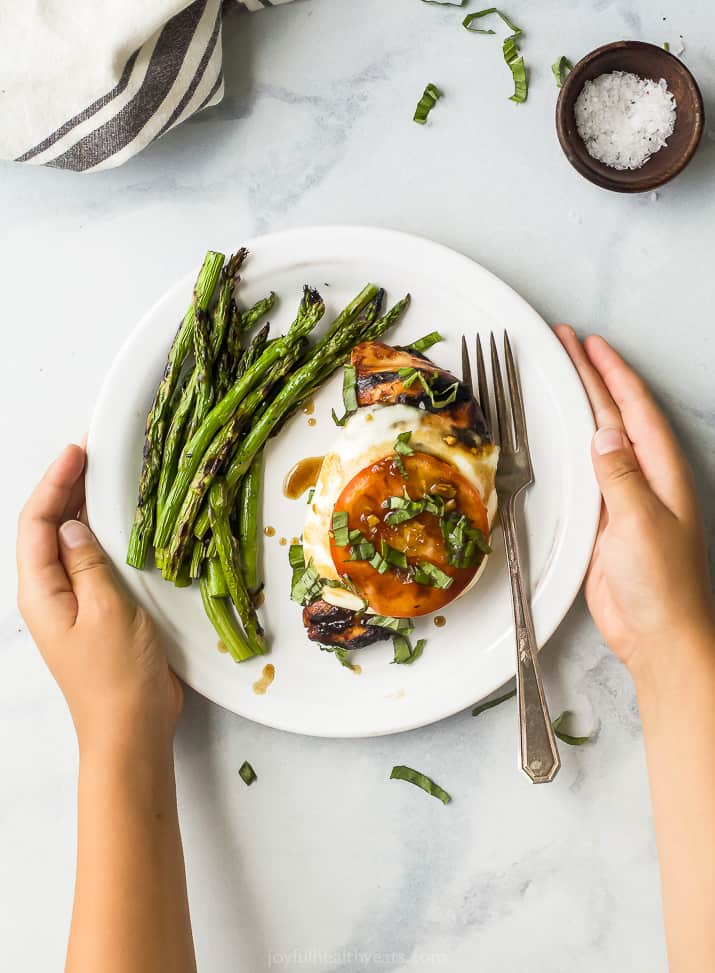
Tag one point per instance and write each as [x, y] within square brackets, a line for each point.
[84, 560]
[617, 471]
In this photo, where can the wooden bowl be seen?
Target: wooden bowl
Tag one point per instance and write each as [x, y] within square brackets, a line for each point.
[647, 61]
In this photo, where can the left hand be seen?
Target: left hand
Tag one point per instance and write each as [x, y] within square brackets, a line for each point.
[100, 646]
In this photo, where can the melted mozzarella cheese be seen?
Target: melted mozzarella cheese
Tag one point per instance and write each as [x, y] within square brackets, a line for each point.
[368, 436]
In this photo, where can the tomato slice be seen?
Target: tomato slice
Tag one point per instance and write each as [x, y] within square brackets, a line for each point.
[363, 499]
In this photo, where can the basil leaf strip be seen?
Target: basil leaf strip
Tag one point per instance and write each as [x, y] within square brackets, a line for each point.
[483, 707]
[470, 18]
[566, 737]
[402, 444]
[341, 655]
[515, 63]
[306, 585]
[247, 773]
[426, 103]
[401, 772]
[340, 528]
[432, 576]
[296, 558]
[560, 69]
[402, 625]
[423, 344]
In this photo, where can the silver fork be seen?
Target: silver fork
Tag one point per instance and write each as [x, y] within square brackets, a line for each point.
[539, 753]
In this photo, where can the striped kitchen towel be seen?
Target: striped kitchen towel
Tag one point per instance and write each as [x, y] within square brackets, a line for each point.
[86, 84]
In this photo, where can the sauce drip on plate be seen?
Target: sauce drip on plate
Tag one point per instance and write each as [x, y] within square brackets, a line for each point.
[302, 476]
[268, 675]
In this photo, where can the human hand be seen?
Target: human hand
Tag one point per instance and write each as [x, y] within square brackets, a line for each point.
[647, 585]
[99, 645]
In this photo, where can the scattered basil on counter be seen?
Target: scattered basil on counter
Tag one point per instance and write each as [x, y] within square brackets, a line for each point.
[247, 773]
[572, 741]
[515, 63]
[483, 707]
[471, 18]
[560, 69]
[401, 772]
[426, 103]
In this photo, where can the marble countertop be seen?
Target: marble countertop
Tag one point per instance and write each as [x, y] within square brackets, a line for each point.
[323, 865]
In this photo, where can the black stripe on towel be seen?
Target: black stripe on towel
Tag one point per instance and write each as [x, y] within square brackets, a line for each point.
[164, 66]
[196, 80]
[84, 114]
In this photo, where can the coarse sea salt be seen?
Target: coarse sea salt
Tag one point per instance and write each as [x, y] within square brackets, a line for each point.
[623, 119]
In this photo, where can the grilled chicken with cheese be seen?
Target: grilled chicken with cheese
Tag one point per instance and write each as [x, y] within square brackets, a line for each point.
[400, 519]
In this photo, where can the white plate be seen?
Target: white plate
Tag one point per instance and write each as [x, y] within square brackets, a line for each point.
[474, 653]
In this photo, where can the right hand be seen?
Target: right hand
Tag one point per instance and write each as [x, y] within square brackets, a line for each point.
[647, 585]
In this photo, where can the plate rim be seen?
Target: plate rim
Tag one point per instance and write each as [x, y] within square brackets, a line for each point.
[357, 231]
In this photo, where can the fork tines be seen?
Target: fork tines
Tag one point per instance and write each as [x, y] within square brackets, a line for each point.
[510, 427]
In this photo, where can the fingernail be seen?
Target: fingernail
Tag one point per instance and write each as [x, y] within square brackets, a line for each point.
[608, 440]
[73, 533]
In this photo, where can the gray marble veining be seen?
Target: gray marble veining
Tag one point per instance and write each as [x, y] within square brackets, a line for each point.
[325, 864]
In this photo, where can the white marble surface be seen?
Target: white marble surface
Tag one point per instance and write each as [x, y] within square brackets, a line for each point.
[324, 864]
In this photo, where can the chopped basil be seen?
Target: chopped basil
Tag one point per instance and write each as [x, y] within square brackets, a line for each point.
[426, 103]
[426, 342]
[402, 625]
[402, 444]
[354, 535]
[515, 63]
[411, 375]
[469, 20]
[395, 558]
[420, 780]
[311, 494]
[247, 773]
[341, 655]
[566, 737]
[378, 562]
[560, 69]
[463, 540]
[402, 509]
[432, 576]
[446, 3]
[340, 528]
[400, 466]
[349, 389]
[666, 45]
[306, 585]
[296, 557]
[338, 421]
[349, 395]
[362, 551]
[483, 707]
[405, 652]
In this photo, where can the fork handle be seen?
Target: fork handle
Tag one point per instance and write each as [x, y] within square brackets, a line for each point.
[539, 753]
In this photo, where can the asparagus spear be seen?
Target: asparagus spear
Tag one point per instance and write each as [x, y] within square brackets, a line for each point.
[222, 618]
[229, 558]
[185, 407]
[202, 371]
[326, 356]
[215, 458]
[216, 582]
[198, 555]
[310, 311]
[156, 420]
[248, 523]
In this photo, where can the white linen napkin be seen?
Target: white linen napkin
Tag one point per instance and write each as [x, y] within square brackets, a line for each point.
[86, 84]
